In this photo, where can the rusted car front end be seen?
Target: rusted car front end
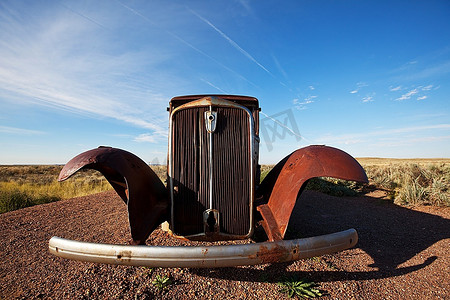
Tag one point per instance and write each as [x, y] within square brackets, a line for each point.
[213, 191]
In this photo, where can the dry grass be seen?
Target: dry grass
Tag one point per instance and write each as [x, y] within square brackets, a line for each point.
[265, 169]
[23, 186]
[28, 185]
[407, 182]
[411, 181]
[421, 181]
[161, 171]
[378, 161]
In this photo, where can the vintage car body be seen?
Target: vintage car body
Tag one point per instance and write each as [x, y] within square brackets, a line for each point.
[213, 191]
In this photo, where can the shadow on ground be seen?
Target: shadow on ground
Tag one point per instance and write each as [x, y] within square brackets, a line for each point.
[389, 234]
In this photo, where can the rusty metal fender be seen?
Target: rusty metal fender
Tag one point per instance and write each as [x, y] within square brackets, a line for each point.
[133, 180]
[285, 182]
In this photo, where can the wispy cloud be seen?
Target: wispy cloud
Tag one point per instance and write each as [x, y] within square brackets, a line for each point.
[19, 131]
[83, 16]
[432, 71]
[422, 70]
[359, 86]
[212, 85]
[63, 63]
[367, 99]
[395, 142]
[408, 95]
[427, 88]
[246, 6]
[395, 89]
[310, 98]
[303, 104]
[280, 69]
[422, 98]
[363, 137]
[183, 41]
[232, 42]
[146, 137]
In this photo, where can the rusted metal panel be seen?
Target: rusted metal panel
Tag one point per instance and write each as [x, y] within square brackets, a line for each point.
[135, 182]
[250, 102]
[282, 185]
[269, 223]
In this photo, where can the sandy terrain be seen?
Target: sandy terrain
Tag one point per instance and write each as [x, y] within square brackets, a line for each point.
[402, 253]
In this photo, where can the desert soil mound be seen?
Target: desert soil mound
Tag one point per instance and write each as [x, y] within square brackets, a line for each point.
[402, 253]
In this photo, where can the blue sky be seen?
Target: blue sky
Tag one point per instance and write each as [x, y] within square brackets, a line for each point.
[369, 77]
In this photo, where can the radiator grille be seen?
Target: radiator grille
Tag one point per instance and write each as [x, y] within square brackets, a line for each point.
[231, 170]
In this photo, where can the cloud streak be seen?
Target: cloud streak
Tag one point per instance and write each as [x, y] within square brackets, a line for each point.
[19, 131]
[408, 95]
[367, 99]
[397, 88]
[212, 85]
[303, 105]
[359, 86]
[410, 141]
[62, 63]
[146, 138]
[183, 41]
[362, 137]
[232, 42]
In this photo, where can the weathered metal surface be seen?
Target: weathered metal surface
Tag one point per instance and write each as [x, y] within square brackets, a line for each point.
[135, 182]
[282, 186]
[250, 102]
[204, 257]
[212, 169]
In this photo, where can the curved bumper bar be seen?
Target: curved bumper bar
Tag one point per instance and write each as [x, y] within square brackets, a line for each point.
[203, 256]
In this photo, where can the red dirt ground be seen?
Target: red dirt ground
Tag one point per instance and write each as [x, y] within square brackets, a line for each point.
[402, 253]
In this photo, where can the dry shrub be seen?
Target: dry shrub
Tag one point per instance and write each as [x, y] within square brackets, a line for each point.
[413, 183]
[265, 169]
[407, 183]
[23, 186]
[161, 171]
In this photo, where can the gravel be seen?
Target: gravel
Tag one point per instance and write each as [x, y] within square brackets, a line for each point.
[402, 253]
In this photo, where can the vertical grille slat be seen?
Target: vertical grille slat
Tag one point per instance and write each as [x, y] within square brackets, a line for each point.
[187, 180]
[231, 170]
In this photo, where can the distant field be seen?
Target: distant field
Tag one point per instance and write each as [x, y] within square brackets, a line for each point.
[27, 185]
[406, 182]
[387, 161]
[411, 181]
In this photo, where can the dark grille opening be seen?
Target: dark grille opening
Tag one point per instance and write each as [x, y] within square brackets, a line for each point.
[231, 170]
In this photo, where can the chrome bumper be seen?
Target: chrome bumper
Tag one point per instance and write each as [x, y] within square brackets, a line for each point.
[201, 256]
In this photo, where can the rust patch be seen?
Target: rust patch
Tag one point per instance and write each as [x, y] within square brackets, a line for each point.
[282, 185]
[277, 254]
[269, 223]
[124, 256]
